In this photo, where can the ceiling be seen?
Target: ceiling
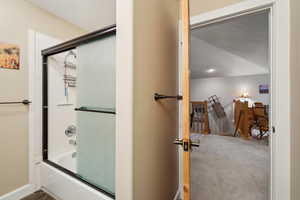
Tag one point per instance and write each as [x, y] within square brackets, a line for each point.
[235, 47]
[90, 15]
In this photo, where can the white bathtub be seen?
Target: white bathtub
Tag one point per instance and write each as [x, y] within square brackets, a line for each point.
[67, 160]
[62, 185]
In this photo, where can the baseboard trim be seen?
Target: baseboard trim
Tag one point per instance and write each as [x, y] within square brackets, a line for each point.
[177, 195]
[19, 193]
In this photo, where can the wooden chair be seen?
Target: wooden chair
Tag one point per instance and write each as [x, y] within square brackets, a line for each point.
[261, 119]
[199, 117]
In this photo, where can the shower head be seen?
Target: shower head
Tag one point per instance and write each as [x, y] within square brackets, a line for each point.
[70, 64]
[70, 53]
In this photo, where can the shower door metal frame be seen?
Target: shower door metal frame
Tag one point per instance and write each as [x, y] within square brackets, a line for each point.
[66, 46]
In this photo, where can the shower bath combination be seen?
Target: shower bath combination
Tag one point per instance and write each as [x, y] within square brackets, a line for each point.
[79, 118]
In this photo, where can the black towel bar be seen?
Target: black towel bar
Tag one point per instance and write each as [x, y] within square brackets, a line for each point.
[25, 102]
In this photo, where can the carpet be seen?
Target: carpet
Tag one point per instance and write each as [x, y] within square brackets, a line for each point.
[229, 168]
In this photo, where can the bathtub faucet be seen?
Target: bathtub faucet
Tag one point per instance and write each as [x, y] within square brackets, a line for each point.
[70, 131]
[72, 142]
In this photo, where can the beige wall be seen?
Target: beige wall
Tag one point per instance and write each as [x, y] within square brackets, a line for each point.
[155, 124]
[199, 6]
[295, 97]
[17, 17]
[155, 70]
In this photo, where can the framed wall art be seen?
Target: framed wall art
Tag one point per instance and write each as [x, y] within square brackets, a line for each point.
[9, 56]
[264, 89]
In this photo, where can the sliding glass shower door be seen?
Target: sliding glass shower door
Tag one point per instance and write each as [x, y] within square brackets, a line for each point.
[79, 108]
[96, 116]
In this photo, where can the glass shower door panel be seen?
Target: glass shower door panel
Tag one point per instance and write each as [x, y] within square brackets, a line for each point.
[96, 149]
[96, 73]
[96, 113]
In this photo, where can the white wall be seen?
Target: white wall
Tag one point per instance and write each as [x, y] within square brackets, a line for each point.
[61, 110]
[124, 99]
[227, 89]
[90, 15]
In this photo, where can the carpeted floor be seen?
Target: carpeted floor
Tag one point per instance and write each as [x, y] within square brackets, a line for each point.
[39, 195]
[228, 168]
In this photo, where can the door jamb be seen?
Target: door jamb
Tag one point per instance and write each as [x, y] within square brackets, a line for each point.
[279, 44]
[35, 109]
[32, 174]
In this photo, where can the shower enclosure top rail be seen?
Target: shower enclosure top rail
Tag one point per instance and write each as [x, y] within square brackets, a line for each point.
[71, 44]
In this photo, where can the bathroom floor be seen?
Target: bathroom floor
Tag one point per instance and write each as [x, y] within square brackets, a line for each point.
[39, 195]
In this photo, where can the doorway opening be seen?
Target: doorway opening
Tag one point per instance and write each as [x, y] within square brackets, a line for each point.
[230, 94]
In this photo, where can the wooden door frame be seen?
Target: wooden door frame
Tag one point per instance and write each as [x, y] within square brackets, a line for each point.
[280, 88]
[185, 103]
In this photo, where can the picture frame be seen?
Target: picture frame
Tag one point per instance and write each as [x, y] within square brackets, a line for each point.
[9, 56]
[264, 89]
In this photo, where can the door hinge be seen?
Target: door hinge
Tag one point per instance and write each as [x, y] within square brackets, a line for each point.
[273, 129]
